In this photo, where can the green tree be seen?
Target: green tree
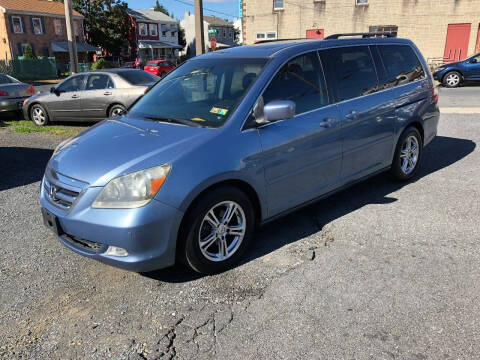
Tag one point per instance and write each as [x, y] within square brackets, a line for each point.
[28, 52]
[161, 8]
[105, 23]
[181, 36]
[236, 35]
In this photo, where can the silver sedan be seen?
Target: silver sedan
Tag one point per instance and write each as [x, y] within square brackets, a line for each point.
[89, 96]
[13, 93]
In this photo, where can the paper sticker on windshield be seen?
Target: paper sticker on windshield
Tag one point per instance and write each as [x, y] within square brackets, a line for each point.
[219, 111]
[197, 119]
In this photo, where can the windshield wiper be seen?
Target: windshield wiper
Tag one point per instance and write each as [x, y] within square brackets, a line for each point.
[175, 121]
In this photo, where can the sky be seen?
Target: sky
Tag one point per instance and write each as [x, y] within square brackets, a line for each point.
[222, 8]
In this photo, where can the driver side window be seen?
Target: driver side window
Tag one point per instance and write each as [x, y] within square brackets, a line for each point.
[300, 80]
[75, 83]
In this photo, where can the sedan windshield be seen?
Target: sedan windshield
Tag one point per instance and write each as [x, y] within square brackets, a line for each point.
[204, 91]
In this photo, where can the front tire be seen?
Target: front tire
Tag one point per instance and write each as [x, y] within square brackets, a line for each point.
[39, 115]
[217, 230]
[407, 155]
[452, 79]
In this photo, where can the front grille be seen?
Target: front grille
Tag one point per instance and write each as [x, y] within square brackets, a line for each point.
[59, 195]
[82, 243]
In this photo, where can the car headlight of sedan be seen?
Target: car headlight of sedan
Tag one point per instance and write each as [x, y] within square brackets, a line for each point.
[132, 190]
[440, 68]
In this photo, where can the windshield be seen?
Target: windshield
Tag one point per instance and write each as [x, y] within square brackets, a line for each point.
[204, 91]
[152, 63]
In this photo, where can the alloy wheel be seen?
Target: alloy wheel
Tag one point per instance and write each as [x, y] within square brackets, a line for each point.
[409, 154]
[38, 116]
[222, 231]
[117, 111]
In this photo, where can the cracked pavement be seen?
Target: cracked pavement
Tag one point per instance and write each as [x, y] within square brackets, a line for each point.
[383, 270]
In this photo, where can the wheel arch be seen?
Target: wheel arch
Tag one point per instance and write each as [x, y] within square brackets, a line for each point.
[29, 110]
[453, 69]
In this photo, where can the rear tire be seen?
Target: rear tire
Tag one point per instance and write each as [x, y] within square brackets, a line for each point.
[452, 79]
[39, 115]
[116, 110]
[408, 155]
[217, 230]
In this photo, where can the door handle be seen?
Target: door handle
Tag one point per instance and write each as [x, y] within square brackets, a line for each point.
[75, 96]
[107, 93]
[327, 122]
[351, 115]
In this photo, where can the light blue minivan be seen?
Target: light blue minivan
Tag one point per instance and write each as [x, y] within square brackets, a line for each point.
[233, 139]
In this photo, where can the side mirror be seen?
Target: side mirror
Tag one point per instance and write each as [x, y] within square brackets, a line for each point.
[54, 90]
[278, 110]
[473, 61]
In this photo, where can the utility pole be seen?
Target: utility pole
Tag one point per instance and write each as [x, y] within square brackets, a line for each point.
[199, 38]
[72, 43]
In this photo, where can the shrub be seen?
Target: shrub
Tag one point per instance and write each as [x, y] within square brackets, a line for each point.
[100, 64]
[28, 52]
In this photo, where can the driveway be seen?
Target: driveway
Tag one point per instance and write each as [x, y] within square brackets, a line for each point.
[383, 270]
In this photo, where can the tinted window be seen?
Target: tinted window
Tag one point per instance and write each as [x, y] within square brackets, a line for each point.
[300, 80]
[5, 79]
[353, 71]
[152, 63]
[74, 83]
[206, 91]
[401, 64]
[98, 82]
[138, 77]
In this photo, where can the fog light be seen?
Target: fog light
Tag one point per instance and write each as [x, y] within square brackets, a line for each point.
[116, 251]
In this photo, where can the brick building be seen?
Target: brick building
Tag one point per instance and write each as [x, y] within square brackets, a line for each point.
[41, 24]
[447, 29]
[153, 35]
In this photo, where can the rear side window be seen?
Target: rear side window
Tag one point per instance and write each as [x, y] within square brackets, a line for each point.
[401, 64]
[301, 81]
[353, 72]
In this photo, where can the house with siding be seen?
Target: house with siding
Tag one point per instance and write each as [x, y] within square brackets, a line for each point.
[153, 35]
[41, 24]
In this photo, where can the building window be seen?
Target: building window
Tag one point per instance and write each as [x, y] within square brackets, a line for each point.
[361, 2]
[76, 28]
[58, 26]
[390, 29]
[224, 32]
[277, 4]
[164, 33]
[37, 26]
[173, 33]
[269, 35]
[22, 48]
[153, 29]
[142, 29]
[17, 25]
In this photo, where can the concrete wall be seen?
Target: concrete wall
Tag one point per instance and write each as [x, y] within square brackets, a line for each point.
[423, 21]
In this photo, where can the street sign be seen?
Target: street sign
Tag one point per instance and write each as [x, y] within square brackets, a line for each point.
[213, 44]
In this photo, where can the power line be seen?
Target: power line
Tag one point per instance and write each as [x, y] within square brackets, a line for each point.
[204, 8]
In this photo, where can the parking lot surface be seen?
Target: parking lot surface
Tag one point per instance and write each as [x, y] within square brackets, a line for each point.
[383, 270]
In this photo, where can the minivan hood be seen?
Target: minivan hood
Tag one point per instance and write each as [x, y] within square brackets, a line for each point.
[119, 146]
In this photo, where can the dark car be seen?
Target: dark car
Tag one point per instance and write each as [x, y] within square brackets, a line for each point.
[159, 67]
[89, 96]
[453, 74]
[236, 138]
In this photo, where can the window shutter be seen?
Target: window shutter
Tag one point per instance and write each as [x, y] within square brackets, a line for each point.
[33, 49]
[31, 25]
[20, 49]
[11, 23]
[24, 27]
[43, 25]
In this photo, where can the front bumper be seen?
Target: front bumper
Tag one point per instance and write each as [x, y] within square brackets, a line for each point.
[148, 234]
[13, 104]
[438, 75]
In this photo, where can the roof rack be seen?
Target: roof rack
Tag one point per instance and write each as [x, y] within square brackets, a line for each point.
[277, 40]
[364, 35]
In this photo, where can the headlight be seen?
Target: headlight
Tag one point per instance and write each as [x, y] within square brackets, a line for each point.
[132, 190]
[440, 68]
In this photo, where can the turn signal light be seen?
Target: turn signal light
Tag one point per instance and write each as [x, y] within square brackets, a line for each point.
[3, 93]
[31, 90]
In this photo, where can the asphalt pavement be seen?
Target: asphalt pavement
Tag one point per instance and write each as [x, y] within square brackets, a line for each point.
[383, 270]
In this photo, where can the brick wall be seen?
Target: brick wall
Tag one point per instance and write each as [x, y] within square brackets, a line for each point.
[423, 21]
[39, 41]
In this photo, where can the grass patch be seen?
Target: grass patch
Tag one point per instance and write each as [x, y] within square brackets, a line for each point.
[26, 127]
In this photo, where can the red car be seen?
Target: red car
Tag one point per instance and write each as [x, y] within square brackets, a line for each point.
[159, 67]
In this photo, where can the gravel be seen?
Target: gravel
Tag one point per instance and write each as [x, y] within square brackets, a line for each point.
[382, 270]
